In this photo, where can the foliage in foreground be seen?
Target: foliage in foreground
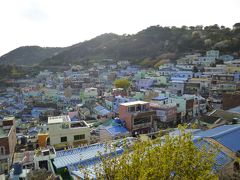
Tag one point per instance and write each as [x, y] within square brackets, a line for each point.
[173, 158]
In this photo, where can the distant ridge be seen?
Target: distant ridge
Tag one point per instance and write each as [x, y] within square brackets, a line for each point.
[29, 55]
[147, 47]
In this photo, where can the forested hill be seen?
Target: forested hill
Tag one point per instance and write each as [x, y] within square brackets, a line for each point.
[146, 47]
[151, 44]
[29, 55]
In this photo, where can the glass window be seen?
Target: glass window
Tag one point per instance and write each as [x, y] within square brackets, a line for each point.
[131, 109]
[79, 137]
[2, 150]
[142, 120]
[64, 139]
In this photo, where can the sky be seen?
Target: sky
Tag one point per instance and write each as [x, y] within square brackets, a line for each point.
[61, 23]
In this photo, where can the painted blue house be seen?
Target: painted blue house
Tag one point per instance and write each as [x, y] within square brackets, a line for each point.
[182, 74]
[37, 111]
[115, 130]
[145, 83]
[237, 76]
[226, 57]
[102, 111]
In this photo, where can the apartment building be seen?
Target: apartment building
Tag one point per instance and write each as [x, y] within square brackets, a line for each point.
[138, 117]
[7, 143]
[63, 132]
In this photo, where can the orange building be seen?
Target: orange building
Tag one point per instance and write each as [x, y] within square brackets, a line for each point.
[138, 117]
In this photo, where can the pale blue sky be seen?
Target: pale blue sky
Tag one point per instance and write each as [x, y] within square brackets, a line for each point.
[66, 22]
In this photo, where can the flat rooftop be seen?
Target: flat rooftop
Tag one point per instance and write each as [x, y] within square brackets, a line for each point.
[134, 103]
[58, 119]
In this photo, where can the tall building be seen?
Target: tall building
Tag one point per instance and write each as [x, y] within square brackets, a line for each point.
[8, 142]
[138, 116]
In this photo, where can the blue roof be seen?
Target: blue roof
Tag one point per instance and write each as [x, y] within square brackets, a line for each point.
[227, 135]
[82, 155]
[221, 158]
[179, 78]
[101, 110]
[235, 110]
[160, 98]
[116, 130]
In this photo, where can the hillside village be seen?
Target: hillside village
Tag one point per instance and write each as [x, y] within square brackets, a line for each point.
[49, 120]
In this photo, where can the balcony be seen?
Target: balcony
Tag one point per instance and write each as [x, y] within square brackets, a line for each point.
[142, 126]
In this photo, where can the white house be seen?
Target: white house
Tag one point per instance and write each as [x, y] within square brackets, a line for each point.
[62, 131]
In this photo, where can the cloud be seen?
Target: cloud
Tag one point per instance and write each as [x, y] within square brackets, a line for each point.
[34, 12]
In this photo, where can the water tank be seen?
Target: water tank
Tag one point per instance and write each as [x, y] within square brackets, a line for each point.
[17, 168]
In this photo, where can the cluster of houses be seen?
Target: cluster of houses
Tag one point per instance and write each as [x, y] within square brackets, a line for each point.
[47, 120]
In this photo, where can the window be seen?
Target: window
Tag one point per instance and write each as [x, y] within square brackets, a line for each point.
[2, 150]
[142, 120]
[177, 105]
[79, 137]
[131, 109]
[144, 108]
[64, 139]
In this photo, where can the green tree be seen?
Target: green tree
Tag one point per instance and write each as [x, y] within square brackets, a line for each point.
[122, 83]
[171, 158]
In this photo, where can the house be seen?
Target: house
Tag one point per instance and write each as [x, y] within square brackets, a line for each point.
[177, 85]
[8, 142]
[231, 99]
[237, 76]
[204, 83]
[219, 69]
[123, 64]
[185, 67]
[102, 112]
[226, 135]
[138, 117]
[217, 90]
[213, 53]
[226, 57]
[113, 131]
[119, 92]
[222, 78]
[188, 59]
[91, 92]
[184, 105]
[87, 157]
[223, 140]
[145, 83]
[166, 112]
[167, 65]
[182, 74]
[205, 61]
[63, 132]
[167, 71]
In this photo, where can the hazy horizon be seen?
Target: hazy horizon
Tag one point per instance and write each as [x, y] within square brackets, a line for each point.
[64, 23]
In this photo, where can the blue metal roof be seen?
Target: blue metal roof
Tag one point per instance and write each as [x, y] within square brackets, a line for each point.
[116, 130]
[227, 135]
[235, 110]
[99, 108]
[221, 158]
[160, 98]
[82, 155]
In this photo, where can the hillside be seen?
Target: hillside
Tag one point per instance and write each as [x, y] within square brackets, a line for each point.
[29, 55]
[151, 45]
[147, 47]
